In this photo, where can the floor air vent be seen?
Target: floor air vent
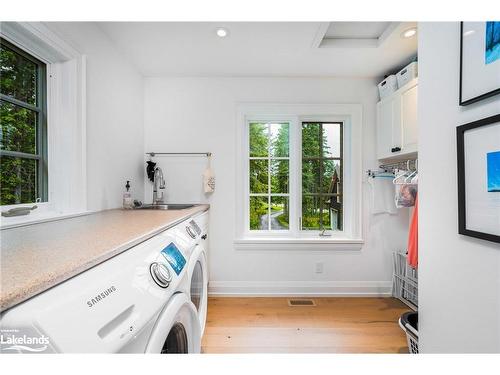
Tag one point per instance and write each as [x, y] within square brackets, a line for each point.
[301, 302]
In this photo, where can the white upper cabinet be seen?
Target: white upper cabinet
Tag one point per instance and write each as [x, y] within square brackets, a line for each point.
[397, 123]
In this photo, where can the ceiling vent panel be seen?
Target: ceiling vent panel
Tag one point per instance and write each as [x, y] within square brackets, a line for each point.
[353, 34]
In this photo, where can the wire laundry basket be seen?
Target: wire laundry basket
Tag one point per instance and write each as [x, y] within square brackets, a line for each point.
[405, 281]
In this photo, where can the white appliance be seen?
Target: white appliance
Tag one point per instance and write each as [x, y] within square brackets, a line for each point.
[198, 268]
[134, 302]
[193, 234]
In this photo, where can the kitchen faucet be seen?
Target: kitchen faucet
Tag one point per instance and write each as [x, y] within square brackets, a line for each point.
[158, 186]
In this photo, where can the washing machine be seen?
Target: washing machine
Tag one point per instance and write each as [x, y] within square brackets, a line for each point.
[193, 235]
[198, 274]
[135, 302]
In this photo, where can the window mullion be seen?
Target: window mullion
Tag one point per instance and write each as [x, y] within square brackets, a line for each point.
[22, 155]
[269, 177]
[320, 135]
[19, 103]
[297, 170]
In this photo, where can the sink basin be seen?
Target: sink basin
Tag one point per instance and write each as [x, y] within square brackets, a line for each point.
[165, 206]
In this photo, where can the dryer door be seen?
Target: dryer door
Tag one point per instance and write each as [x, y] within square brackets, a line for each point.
[177, 330]
[198, 275]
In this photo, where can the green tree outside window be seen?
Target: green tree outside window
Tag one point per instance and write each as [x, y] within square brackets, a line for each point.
[23, 166]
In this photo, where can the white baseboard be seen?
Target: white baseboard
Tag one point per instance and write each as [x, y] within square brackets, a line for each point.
[300, 288]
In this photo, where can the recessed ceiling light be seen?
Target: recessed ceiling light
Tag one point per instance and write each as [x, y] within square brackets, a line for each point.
[222, 32]
[409, 32]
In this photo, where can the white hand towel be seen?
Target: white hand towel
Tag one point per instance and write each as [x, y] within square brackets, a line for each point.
[209, 178]
[383, 194]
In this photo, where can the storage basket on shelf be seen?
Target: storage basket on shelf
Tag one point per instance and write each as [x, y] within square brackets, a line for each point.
[406, 74]
[409, 323]
[387, 86]
[405, 281]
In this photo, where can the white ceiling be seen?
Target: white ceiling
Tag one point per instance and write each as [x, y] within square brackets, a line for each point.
[255, 49]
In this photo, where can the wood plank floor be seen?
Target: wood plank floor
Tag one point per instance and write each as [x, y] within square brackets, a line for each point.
[334, 325]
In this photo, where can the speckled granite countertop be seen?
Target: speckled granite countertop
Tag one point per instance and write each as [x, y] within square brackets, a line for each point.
[37, 257]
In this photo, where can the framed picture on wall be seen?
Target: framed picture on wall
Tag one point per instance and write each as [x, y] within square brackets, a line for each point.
[479, 61]
[478, 148]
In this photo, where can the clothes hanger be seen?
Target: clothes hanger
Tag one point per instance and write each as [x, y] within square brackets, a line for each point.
[408, 179]
[407, 176]
[402, 176]
[414, 180]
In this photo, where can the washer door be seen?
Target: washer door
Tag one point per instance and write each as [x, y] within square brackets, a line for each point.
[198, 274]
[177, 329]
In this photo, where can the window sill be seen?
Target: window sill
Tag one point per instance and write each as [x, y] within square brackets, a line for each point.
[298, 244]
[35, 218]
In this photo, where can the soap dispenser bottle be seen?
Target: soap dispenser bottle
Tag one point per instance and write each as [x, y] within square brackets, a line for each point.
[128, 203]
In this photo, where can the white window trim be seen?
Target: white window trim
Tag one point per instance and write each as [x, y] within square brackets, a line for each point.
[66, 121]
[351, 116]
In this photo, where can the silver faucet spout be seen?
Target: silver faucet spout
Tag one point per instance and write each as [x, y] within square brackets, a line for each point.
[158, 186]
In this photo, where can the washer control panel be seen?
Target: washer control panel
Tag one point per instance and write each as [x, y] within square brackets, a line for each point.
[190, 231]
[174, 257]
[195, 227]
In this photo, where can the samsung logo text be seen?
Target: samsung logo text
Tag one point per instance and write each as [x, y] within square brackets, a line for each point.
[100, 296]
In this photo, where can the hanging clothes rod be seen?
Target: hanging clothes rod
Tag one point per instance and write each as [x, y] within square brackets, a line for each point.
[207, 154]
[390, 167]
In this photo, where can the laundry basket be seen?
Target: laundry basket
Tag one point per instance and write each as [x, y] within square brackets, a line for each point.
[404, 281]
[409, 323]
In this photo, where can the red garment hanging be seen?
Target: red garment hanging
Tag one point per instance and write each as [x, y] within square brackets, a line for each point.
[413, 238]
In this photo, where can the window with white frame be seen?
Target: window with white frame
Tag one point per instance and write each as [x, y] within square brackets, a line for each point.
[321, 175]
[301, 173]
[23, 132]
[42, 92]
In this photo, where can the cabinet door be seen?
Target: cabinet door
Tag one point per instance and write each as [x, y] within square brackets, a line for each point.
[386, 121]
[409, 119]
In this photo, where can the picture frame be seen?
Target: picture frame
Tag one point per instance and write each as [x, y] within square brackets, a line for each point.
[478, 165]
[479, 61]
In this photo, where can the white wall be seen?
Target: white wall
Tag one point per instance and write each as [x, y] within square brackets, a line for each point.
[115, 132]
[459, 276]
[199, 114]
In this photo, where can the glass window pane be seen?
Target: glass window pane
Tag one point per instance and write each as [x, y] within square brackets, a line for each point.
[332, 212]
[331, 140]
[310, 212]
[259, 176]
[330, 177]
[18, 130]
[280, 134]
[259, 140]
[279, 213]
[310, 140]
[18, 178]
[321, 176]
[279, 176]
[18, 76]
[259, 213]
[321, 212]
[310, 176]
